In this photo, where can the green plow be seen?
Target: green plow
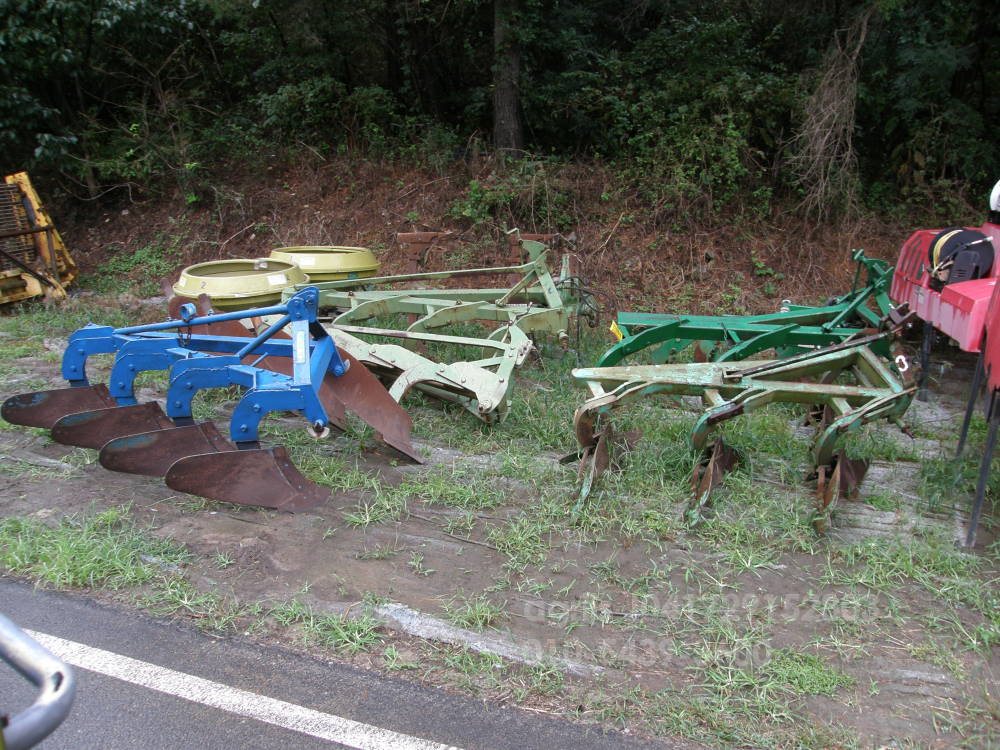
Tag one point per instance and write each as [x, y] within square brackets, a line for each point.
[840, 358]
[794, 329]
[537, 303]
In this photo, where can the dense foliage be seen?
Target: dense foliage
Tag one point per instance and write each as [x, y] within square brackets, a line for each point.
[698, 105]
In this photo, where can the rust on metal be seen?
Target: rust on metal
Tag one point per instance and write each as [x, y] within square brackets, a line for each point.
[359, 391]
[152, 453]
[835, 482]
[92, 429]
[714, 464]
[45, 408]
[264, 477]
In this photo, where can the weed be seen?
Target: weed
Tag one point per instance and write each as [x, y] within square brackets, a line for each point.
[102, 550]
[381, 552]
[394, 661]
[350, 635]
[179, 597]
[521, 540]
[805, 674]
[473, 611]
[883, 501]
[416, 564]
[454, 487]
[144, 266]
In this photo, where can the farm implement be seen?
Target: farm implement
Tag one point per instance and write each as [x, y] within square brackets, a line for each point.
[475, 372]
[988, 369]
[536, 303]
[33, 259]
[293, 364]
[794, 329]
[947, 277]
[847, 382]
[481, 384]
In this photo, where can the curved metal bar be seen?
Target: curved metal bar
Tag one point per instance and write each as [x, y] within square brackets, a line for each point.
[55, 680]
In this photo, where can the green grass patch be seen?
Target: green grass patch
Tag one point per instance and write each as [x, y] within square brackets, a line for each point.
[105, 550]
[476, 612]
[806, 674]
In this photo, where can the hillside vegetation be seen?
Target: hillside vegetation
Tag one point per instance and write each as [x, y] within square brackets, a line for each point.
[692, 114]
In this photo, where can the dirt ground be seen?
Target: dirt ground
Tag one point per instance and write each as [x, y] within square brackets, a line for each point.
[636, 607]
[650, 625]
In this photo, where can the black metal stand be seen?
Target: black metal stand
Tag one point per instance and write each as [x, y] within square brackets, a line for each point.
[926, 344]
[984, 468]
[974, 388]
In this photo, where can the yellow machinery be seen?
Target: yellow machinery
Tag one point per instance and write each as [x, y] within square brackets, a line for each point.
[33, 259]
[330, 262]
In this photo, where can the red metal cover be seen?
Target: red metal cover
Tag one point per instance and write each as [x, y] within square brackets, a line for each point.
[959, 310]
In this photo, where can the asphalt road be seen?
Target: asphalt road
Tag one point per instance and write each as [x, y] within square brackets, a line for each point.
[248, 681]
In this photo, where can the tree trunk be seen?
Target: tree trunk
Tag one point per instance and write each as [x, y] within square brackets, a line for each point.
[507, 136]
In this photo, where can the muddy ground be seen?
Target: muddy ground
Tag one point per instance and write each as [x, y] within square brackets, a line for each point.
[624, 617]
[744, 631]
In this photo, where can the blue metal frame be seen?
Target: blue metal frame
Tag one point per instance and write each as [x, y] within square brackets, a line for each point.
[192, 367]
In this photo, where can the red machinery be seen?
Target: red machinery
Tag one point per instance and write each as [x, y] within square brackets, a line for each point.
[949, 279]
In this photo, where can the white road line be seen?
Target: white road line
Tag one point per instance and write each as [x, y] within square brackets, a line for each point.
[279, 713]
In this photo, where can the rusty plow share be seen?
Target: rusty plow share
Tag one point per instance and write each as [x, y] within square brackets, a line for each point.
[292, 365]
[852, 384]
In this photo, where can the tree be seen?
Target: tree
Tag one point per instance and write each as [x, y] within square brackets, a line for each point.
[507, 133]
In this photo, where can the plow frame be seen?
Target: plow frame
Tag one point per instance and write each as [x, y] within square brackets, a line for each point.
[535, 303]
[729, 390]
[793, 329]
[189, 359]
[482, 386]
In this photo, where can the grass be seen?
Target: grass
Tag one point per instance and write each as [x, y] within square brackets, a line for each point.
[805, 674]
[348, 635]
[106, 550]
[476, 612]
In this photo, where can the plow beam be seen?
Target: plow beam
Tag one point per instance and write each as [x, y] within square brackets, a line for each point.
[791, 330]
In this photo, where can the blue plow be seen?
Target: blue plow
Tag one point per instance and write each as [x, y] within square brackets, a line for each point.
[292, 365]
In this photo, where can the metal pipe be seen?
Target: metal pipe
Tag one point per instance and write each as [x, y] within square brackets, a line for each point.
[271, 330]
[203, 319]
[55, 680]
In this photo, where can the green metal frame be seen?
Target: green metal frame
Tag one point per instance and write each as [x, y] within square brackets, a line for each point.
[880, 390]
[534, 304]
[482, 385]
[789, 331]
